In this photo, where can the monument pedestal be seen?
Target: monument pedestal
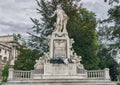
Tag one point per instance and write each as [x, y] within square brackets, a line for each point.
[61, 71]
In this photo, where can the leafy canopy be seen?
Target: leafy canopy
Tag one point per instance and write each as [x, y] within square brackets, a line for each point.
[26, 59]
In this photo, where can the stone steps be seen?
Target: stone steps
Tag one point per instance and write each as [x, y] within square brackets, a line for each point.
[59, 82]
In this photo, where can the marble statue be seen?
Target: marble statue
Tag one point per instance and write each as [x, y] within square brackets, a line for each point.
[66, 61]
[39, 64]
[62, 19]
[46, 57]
[42, 60]
[76, 59]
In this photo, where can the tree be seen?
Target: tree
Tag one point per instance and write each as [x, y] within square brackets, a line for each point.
[111, 1]
[26, 59]
[107, 62]
[109, 31]
[84, 33]
[5, 73]
[81, 26]
[109, 36]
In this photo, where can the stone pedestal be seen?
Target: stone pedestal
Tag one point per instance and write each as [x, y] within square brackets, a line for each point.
[59, 45]
[10, 76]
[60, 69]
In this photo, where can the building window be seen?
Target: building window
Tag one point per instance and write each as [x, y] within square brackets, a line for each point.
[0, 57]
[5, 51]
[5, 59]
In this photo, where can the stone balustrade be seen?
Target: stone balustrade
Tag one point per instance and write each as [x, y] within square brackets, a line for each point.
[98, 74]
[18, 74]
[22, 74]
[95, 74]
[91, 74]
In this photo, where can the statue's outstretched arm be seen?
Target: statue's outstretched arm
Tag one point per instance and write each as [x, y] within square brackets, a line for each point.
[52, 14]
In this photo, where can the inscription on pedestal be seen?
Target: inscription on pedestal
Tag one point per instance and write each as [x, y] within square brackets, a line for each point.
[60, 48]
[60, 69]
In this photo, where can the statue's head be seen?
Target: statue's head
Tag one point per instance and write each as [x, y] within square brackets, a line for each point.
[59, 6]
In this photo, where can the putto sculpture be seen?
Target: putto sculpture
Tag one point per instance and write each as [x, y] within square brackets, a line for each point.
[61, 20]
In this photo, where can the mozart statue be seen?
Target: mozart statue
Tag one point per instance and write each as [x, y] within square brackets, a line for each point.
[61, 20]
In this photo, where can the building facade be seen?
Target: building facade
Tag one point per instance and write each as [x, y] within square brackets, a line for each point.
[8, 49]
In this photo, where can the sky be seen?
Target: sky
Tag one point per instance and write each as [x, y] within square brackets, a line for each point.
[15, 14]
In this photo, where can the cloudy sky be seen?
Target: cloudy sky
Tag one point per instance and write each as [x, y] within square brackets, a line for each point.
[15, 14]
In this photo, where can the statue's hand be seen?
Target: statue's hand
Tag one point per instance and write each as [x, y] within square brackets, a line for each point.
[49, 16]
[52, 15]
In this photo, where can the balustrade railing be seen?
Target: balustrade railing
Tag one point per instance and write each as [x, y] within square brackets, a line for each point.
[22, 74]
[96, 74]
[91, 74]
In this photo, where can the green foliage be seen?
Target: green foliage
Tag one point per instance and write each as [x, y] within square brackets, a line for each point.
[111, 1]
[109, 35]
[110, 29]
[107, 62]
[82, 29]
[5, 73]
[118, 83]
[26, 59]
[109, 32]
[118, 72]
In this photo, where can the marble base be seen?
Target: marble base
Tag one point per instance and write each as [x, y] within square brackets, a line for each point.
[80, 76]
[60, 69]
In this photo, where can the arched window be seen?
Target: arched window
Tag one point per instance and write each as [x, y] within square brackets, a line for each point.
[5, 59]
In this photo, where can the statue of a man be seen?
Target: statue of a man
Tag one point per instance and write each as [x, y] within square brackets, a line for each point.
[62, 19]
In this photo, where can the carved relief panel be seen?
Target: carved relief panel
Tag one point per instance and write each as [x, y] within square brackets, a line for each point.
[59, 48]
